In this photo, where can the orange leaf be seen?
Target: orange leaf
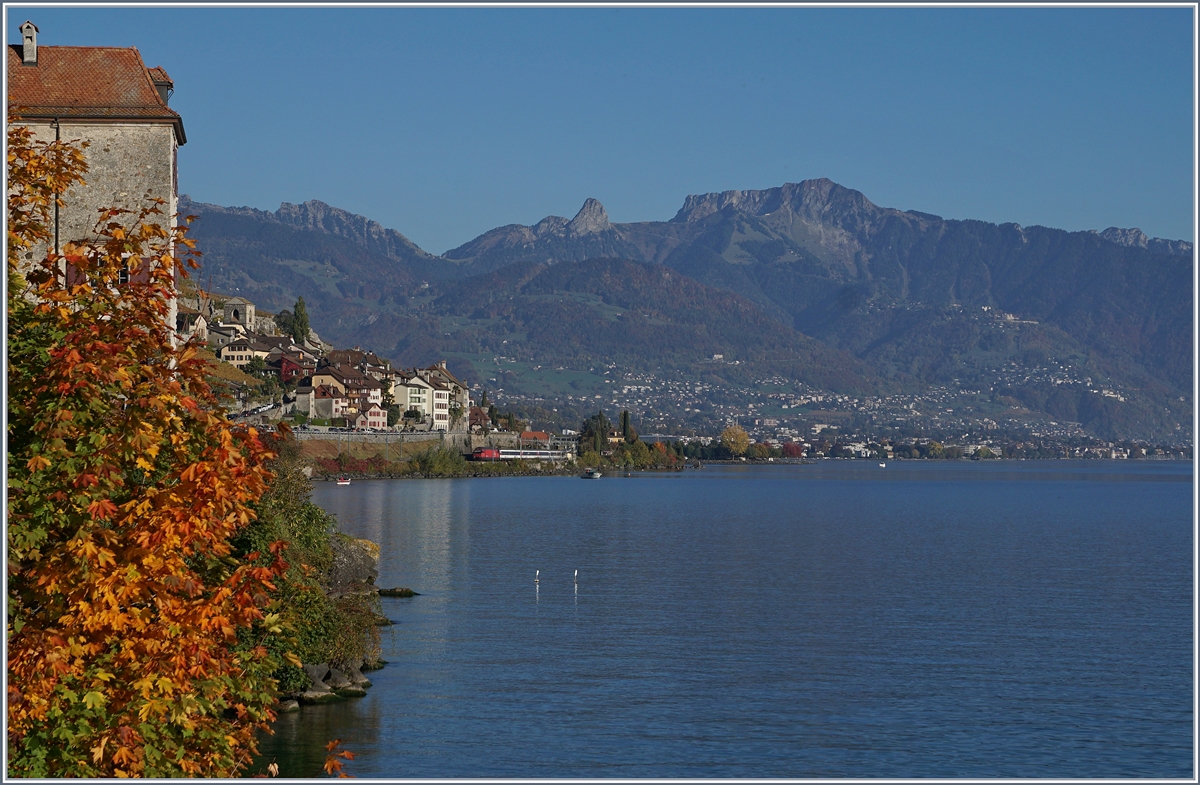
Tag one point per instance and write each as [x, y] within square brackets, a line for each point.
[102, 509]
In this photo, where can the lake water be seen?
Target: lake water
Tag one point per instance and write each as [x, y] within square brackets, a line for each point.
[930, 619]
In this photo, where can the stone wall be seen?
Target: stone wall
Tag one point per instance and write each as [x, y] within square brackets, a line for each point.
[128, 164]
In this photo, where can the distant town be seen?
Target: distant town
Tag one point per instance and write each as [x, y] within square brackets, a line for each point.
[272, 376]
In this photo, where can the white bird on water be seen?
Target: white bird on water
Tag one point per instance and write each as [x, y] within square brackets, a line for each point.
[536, 574]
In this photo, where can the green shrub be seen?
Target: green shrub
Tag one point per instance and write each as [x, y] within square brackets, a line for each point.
[312, 626]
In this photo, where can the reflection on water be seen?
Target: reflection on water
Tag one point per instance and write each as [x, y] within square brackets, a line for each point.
[967, 619]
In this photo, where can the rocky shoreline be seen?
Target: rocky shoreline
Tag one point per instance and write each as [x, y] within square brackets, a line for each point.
[328, 685]
[354, 571]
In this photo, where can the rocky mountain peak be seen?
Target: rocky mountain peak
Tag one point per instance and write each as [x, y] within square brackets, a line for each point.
[321, 217]
[1136, 238]
[811, 199]
[550, 225]
[1127, 237]
[591, 219]
[315, 214]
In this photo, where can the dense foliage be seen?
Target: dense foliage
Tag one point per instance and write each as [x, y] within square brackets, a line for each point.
[735, 439]
[312, 625]
[135, 636]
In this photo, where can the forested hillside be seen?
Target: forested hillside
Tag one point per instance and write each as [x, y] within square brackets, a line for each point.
[894, 299]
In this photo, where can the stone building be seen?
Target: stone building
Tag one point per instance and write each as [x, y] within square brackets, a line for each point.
[239, 311]
[109, 98]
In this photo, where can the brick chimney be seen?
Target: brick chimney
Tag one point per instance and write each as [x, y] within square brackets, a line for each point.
[29, 33]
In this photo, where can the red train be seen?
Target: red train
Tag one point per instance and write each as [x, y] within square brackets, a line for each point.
[495, 454]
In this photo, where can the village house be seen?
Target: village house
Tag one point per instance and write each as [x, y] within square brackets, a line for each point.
[303, 398]
[441, 406]
[283, 343]
[219, 335]
[107, 97]
[360, 390]
[367, 363]
[240, 351]
[321, 402]
[374, 418]
[414, 395]
[291, 365]
[450, 395]
[190, 323]
[479, 420]
[329, 402]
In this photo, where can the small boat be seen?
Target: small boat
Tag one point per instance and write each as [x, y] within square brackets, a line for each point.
[883, 466]
[343, 480]
[591, 474]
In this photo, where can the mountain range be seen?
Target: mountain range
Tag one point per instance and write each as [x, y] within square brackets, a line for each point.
[810, 278]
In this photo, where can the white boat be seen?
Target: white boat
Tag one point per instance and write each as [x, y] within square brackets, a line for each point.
[883, 466]
[343, 480]
[591, 474]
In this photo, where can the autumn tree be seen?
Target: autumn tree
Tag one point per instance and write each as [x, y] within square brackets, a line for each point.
[793, 450]
[134, 635]
[735, 439]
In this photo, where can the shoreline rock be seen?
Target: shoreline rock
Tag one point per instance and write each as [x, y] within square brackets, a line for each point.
[329, 685]
[354, 571]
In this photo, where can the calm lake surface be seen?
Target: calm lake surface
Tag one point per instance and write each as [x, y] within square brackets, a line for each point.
[930, 619]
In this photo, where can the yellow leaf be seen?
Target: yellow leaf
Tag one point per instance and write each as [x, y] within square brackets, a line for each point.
[293, 659]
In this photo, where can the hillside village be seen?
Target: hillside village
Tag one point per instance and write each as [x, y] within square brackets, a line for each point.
[318, 383]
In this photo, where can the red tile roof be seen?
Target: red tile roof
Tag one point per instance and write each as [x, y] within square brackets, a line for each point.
[88, 82]
[159, 74]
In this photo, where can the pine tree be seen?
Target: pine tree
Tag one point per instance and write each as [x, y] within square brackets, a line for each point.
[628, 432]
[300, 323]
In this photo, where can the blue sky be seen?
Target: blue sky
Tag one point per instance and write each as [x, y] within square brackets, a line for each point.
[444, 123]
